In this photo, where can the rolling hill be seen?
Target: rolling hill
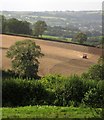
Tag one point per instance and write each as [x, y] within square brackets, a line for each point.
[60, 58]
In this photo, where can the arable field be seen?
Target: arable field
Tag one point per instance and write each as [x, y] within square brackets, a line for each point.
[60, 58]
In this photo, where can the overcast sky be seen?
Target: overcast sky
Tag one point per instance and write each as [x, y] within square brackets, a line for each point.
[50, 5]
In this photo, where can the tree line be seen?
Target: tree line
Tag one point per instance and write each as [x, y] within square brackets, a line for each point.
[23, 27]
[14, 25]
[39, 28]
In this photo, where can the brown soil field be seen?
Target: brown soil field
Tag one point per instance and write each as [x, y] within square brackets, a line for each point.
[60, 58]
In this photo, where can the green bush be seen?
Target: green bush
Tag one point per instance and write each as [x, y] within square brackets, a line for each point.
[67, 90]
[73, 90]
[53, 82]
[59, 97]
[18, 92]
[53, 90]
[6, 74]
[55, 85]
[95, 96]
[95, 72]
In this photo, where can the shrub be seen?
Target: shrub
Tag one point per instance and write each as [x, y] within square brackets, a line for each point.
[89, 84]
[6, 74]
[55, 85]
[95, 96]
[17, 92]
[53, 90]
[53, 82]
[59, 97]
[80, 37]
[73, 90]
[65, 89]
[96, 72]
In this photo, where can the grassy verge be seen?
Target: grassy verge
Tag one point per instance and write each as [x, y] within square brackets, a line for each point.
[48, 112]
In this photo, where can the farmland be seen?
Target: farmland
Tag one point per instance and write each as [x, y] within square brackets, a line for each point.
[60, 58]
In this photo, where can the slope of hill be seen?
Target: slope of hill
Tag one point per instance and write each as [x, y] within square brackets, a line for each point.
[60, 58]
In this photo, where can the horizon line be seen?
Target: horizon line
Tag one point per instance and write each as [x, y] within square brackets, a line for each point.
[48, 10]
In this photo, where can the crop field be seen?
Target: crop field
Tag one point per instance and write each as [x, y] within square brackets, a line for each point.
[59, 58]
[56, 38]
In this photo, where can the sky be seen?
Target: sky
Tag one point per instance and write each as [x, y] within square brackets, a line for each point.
[50, 5]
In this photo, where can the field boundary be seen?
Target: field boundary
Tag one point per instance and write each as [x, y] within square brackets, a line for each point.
[49, 39]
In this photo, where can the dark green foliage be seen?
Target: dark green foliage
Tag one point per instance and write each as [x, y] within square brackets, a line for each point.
[54, 90]
[80, 37]
[19, 27]
[95, 40]
[7, 74]
[39, 28]
[96, 72]
[14, 25]
[3, 24]
[101, 59]
[63, 32]
[67, 91]
[74, 89]
[24, 56]
[53, 82]
[94, 97]
[60, 97]
[18, 92]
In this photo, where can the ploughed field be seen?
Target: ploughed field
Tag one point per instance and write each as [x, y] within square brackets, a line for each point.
[60, 58]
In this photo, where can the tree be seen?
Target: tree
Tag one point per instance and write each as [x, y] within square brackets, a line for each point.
[25, 27]
[80, 37]
[102, 44]
[24, 56]
[3, 23]
[95, 96]
[39, 28]
[13, 25]
[96, 72]
[19, 27]
[101, 60]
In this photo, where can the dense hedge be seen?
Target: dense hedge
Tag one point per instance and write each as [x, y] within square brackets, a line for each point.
[95, 96]
[53, 90]
[17, 92]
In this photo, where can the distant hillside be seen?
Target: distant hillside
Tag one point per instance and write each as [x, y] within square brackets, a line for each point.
[83, 20]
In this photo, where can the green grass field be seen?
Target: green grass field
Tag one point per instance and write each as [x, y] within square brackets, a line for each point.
[57, 38]
[48, 112]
